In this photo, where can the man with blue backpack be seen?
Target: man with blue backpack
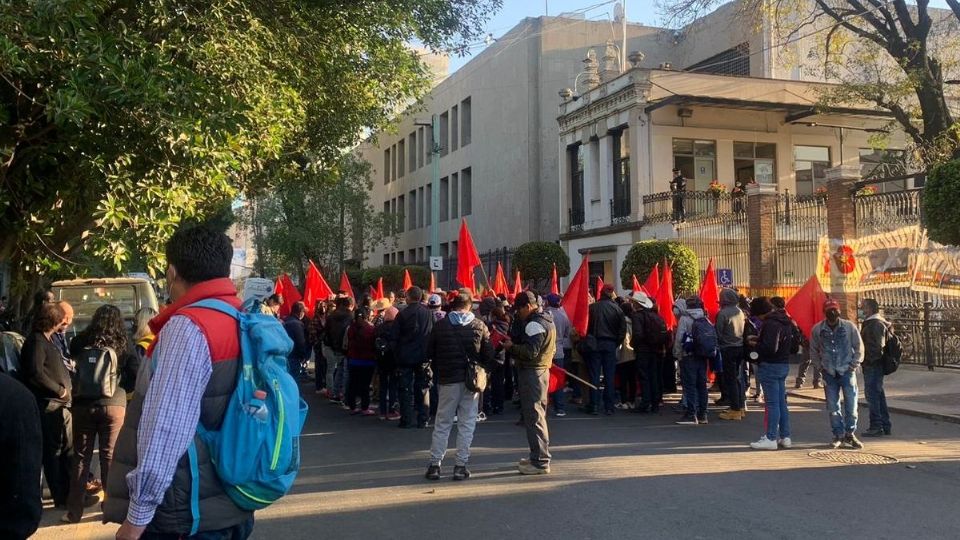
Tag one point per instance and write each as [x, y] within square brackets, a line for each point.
[212, 433]
[696, 345]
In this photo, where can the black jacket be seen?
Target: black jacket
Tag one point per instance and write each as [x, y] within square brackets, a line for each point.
[385, 343]
[449, 347]
[42, 368]
[414, 324]
[776, 335]
[607, 321]
[643, 328]
[298, 334]
[21, 442]
[336, 328]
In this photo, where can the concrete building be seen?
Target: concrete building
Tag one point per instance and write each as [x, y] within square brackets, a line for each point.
[498, 128]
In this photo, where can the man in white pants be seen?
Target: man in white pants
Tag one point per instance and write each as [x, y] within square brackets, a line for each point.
[456, 340]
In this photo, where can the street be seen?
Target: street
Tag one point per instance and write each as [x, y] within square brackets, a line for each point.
[629, 476]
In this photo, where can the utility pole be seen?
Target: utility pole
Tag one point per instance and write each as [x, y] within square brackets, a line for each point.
[435, 189]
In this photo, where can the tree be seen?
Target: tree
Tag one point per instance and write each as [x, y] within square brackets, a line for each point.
[535, 261]
[643, 256]
[300, 221]
[392, 275]
[892, 54]
[120, 119]
[941, 198]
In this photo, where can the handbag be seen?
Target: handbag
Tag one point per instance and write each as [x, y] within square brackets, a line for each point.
[475, 378]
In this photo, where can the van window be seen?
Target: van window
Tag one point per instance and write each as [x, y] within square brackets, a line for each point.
[86, 300]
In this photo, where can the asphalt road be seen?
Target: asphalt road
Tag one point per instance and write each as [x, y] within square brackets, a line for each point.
[627, 476]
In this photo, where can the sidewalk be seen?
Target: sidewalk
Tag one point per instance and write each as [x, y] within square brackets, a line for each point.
[911, 390]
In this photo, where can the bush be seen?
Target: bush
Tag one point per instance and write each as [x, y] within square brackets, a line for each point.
[941, 198]
[392, 275]
[643, 256]
[535, 260]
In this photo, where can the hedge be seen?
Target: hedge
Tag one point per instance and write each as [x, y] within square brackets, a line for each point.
[392, 275]
[535, 260]
[643, 256]
[941, 199]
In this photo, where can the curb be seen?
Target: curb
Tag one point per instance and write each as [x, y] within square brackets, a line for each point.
[900, 410]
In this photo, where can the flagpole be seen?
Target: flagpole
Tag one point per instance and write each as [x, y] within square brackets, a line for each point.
[571, 375]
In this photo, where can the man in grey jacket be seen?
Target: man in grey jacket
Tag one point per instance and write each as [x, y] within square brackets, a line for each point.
[730, 323]
[836, 344]
[873, 329]
[562, 323]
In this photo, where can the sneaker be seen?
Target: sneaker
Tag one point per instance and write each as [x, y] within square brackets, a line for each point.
[853, 441]
[383, 417]
[433, 472]
[731, 414]
[874, 432]
[481, 417]
[621, 406]
[531, 469]
[798, 385]
[393, 416]
[561, 414]
[353, 412]
[702, 419]
[369, 412]
[785, 443]
[67, 519]
[460, 472]
[818, 385]
[887, 431]
[836, 442]
[764, 444]
[687, 420]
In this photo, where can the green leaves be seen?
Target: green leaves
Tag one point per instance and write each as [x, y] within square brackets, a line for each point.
[941, 198]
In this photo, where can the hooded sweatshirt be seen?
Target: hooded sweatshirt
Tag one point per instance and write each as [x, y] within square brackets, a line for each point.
[455, 340]
[773, 345]
[730, 320]
[684, 325]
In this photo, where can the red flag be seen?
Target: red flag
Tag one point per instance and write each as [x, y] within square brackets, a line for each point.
[710, 293]
[467, 257]
[806, 306]
[665, 298]
[558, 379]
[575, 301]
[407, 282]
[290, 294]
[517, 287]
[652, 285]
[315, 289]
[636, 285]
[599, 287]
[500, 282]
[372, 292]
[379, 289]
[554, 281]
[433, 282]
[345, 285]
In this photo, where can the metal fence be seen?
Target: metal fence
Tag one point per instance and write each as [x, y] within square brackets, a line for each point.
[800, 222]
[884, 212]
[690, 206]
[447, 278]
[722, 237]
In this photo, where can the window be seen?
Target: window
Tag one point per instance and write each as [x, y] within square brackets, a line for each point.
[466, 192]
[412, 210]
[620, 209]
[393, 163]
[428, 205]
[420, 143]
[428, 144]
[401, 159]
[733, 61]
[386, 258]
[454, 128]
[810, 164]
[386, 166]
[420, 207]
[444, 199]
[386, 207]
[401, 202]
[444, 134]
[575, 162]
[755, 162]
[696, 160]
[444, 250]
[419, 254]
[465, 122]
[882, 164]
[412, 151]
[454, 197]
[411, 255]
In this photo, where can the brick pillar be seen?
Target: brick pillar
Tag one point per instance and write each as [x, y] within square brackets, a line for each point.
[761, 223]
[842, 223]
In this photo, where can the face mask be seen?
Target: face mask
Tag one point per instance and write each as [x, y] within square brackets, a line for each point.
[833, 316]
[861, 314]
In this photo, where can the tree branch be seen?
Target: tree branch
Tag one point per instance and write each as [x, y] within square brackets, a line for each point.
[833, 14]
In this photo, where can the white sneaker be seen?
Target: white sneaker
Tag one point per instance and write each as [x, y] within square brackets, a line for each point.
[764, 444]
[785, 443]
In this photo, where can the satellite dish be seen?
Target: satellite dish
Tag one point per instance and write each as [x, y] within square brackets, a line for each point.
[618, 13]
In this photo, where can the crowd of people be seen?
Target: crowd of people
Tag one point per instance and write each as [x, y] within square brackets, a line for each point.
[431, 359]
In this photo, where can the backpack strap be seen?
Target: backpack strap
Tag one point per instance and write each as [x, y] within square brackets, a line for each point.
[194, 487]
[217, 305]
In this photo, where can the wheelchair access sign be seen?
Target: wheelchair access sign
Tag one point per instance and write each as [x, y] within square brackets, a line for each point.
[725, 277]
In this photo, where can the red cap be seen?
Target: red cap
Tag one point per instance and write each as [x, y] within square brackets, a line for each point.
[260, 394]
[831, 304]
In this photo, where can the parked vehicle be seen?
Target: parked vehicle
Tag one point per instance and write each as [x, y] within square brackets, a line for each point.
[129, 294]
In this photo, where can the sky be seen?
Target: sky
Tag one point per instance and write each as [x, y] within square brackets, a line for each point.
[513, 11]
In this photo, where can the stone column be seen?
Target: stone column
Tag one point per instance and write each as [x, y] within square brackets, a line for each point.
[842, 222]
[761, 221]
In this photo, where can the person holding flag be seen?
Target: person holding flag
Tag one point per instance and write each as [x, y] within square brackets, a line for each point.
[564, 349]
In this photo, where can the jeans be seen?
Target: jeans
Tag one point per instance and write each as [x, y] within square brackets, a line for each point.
[319, 369]
[533, 405]
[604, 360]
[360, 378]
[237, 532]
[341, 378]
[389, 387]
[773, 379]
[695, 384]
[559, 397]
[91, 423]
[845, 421]
[57, 427]
[876, 397]
[455, 401]
[414, 396]
[648, 367]
[627, 371]
[733, 377]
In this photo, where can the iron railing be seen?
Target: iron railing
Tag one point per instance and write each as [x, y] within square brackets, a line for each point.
[928, 325]
[884, 212]
[619, 211]
[575, 218]
[688, 206]
[800, 222]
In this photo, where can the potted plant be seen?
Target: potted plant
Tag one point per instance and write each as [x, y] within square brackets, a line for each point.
[867, 190]
[820, 192]
[717, 188]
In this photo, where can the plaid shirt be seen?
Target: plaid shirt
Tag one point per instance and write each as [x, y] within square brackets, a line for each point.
[171, 412]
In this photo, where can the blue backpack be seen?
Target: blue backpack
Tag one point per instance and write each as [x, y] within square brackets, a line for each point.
[256, 460]
[705, 342]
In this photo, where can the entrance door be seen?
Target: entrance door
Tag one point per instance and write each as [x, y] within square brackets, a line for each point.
[703, 173]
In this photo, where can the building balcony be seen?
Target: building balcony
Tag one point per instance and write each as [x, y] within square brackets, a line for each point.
[575, 219]
[619, 211]
[690, 206]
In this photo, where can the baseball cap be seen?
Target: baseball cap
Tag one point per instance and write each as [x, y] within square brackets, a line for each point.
[831, 304]
[525, 298]
[434, 300]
